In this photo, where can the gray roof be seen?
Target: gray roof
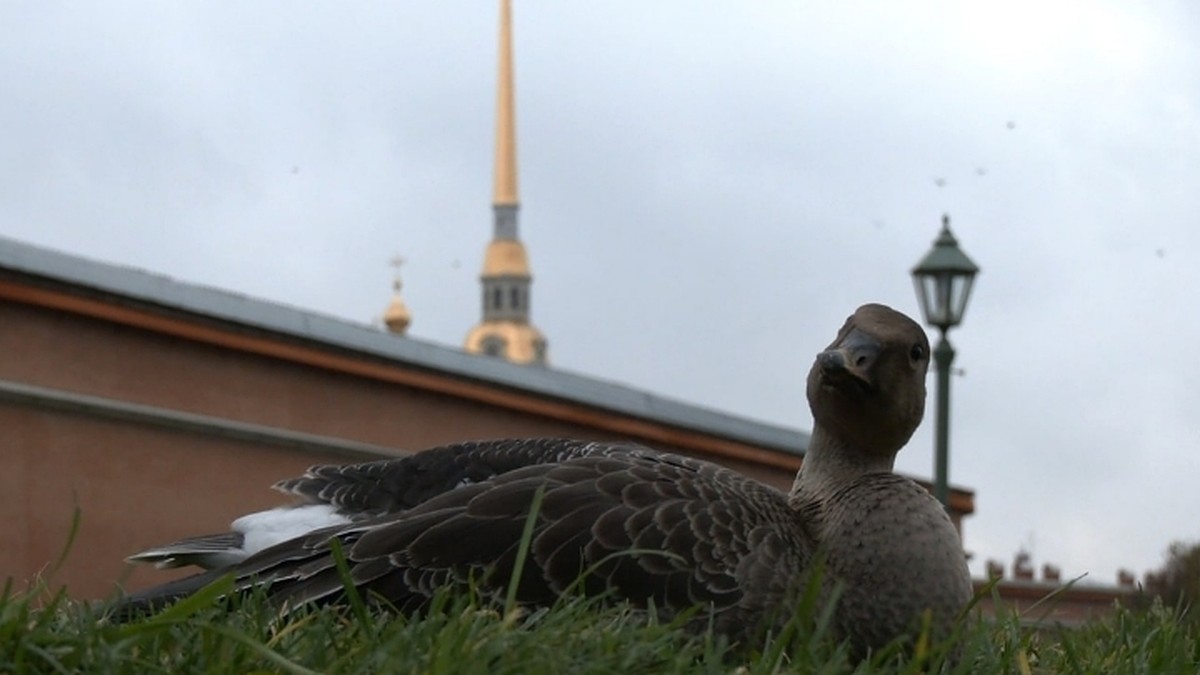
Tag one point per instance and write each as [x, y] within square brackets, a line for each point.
[223, 305]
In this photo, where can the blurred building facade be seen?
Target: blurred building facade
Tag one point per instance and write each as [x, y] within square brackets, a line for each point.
[1048, 600]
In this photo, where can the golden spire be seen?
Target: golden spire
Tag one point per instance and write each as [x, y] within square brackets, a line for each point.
[506, 331]
[505, 191]
[397, 317]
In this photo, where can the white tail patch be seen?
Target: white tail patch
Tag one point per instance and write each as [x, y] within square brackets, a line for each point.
[267, 528]
[250, 534]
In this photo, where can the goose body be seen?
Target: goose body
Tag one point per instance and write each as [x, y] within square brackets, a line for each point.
[648, 527]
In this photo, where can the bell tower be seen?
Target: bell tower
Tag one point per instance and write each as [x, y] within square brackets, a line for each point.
[506, 330]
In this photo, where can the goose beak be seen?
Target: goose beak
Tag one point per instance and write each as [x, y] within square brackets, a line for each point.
[850, 359]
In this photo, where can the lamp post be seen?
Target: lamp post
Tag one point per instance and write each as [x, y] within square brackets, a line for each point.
[943, 281]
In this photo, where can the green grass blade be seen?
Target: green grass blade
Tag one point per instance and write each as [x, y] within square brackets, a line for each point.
[535, 505]
[76, 518]
[202, 599]
[352, 595]
[261, 650]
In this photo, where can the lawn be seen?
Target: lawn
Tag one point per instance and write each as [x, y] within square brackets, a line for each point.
[45, 632]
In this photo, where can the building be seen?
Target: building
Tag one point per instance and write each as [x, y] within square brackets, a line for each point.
[1050, 601]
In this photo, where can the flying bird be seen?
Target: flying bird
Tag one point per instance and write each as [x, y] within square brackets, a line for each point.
[655, 529]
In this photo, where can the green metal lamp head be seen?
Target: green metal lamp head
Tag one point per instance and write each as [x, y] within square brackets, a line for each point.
[943, 280]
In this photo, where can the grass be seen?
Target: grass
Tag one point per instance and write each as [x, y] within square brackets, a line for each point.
[42, 630]
[45, 632]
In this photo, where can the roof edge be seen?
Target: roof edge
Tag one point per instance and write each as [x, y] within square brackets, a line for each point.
[226, 306]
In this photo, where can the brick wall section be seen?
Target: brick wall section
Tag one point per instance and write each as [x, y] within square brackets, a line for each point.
[138, 485]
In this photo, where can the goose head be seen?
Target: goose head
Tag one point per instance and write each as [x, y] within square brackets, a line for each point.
[867, 389]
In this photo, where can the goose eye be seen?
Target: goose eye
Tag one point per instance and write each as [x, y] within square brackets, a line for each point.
[916, 353]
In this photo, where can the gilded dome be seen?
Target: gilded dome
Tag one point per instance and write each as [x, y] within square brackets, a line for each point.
[397, 317]
[505, 257]
[512, 340]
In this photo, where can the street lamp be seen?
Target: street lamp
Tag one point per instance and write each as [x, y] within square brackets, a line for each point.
[943, 281]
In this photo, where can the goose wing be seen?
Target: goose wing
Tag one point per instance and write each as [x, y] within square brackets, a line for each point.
[333, 495]
[391, 485]
[650, 528]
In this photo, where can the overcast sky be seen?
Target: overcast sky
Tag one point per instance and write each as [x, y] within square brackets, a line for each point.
[708, 190]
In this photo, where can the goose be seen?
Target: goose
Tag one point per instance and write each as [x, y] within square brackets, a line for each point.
[655, 529]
